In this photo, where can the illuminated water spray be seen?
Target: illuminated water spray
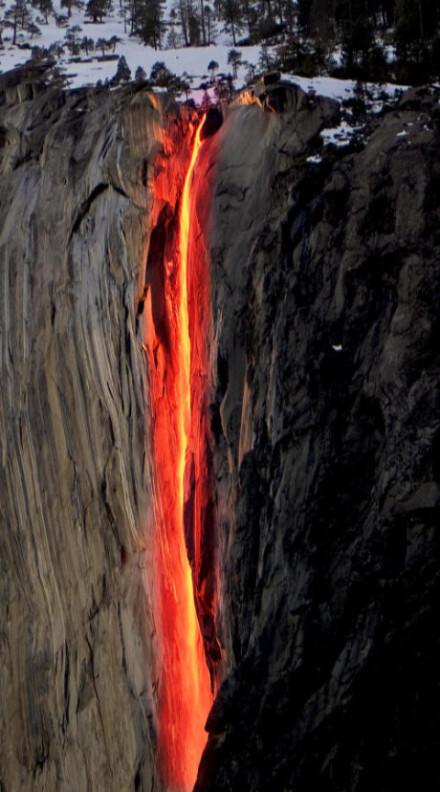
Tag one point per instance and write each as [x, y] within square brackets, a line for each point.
[184, 694]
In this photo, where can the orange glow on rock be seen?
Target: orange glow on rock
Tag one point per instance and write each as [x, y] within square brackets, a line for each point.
[247, 97]
[176, 351]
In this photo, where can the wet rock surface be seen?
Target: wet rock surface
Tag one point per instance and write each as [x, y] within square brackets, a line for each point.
[326, 370]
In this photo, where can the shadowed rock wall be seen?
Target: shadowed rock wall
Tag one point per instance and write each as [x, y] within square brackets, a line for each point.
[326, 294]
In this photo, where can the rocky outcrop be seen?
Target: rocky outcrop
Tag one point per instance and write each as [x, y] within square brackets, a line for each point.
[325, 424]
[326, 292]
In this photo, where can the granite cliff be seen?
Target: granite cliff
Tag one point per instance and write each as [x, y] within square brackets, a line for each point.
[325, 435]
[327, 426]
[75, 481]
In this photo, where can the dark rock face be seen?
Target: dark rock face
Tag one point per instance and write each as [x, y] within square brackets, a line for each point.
[326, 299]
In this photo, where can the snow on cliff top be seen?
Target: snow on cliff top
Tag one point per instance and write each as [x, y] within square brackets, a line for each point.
[190, 62]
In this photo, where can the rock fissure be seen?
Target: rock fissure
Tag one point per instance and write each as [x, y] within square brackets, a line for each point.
[85, 208]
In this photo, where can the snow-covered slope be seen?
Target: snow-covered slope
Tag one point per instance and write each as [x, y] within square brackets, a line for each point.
[87, 68]
[91, 67]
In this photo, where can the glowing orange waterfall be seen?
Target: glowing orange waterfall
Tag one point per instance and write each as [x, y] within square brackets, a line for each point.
[184, 693]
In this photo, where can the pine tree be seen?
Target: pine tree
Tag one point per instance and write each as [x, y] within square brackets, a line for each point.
[321, 20]
[69, 4]
[148, 22]
[249, 16]
[87, 44]
[45, 7]
[103, 45]
[194, 26]
[209, 25]
[33, 29]
[173, 38]
[183, 17]
[304, 14]
[202, 22]
[159, 74]
[232, 13]
[72, 40]
[123, 72]
[234, 58]
[213, 69]
[190, 20]
[17, 17]
[98, 9]
[140, 75]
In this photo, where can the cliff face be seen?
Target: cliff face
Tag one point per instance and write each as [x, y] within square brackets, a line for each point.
[325, 435]
[75, 476]
[326, 294]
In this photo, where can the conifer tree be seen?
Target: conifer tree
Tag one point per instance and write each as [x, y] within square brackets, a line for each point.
[189, 18]
[98, 9]
[213, 68]
[140, 75]
[45, 7]
[103, 45]
[232, 13]
[234, 58]
[87, 44]
[18, 17]
[123, 72]
[148, 21]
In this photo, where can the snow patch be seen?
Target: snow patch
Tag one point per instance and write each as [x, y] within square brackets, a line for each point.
[341, 135]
